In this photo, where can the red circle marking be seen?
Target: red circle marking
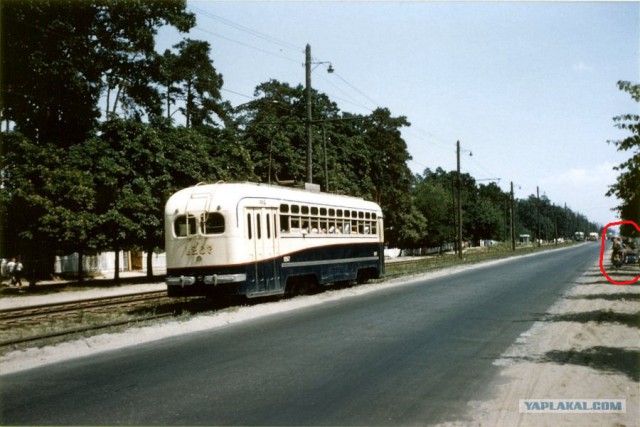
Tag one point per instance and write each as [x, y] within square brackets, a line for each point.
[604, 239]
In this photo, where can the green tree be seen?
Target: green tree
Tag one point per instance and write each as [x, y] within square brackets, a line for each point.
[49, 203]
[495, 213]
[348, 156]
[484, 220]
[61, 50]
[58, 59]
[272, 130]
[627, 188]
[189, 75]
[434, 195]
[391, 178]
[127, 163]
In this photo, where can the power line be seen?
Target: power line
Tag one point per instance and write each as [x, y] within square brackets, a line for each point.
[248, 30]
[353, 101]
[357, 90]
[438, 142]
[237, 93]
[280, 43]
[248, 45]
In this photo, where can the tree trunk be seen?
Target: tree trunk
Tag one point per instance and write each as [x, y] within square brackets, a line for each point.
[80, 269]
[188, 106]
[149, 262]
[116, 272]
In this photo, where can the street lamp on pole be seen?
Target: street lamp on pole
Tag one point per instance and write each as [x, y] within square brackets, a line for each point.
[309, 117]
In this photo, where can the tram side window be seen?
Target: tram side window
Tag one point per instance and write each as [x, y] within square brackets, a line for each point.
[213, 223]
[324, 220]
[295, 223]
[184, 225]
[284, 223]
[284, 218]
[295, 218]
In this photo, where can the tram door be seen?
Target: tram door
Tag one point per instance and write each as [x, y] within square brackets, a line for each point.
[264, 236]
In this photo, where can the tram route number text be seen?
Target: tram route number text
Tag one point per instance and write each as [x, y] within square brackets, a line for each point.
[200, 250]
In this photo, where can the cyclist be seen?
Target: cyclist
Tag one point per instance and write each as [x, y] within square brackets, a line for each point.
[618, 252]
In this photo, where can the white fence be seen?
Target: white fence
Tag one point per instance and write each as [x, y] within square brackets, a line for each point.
[105, 263]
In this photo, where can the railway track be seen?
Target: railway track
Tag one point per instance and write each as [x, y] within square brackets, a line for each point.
[66, 318]
[34, 313]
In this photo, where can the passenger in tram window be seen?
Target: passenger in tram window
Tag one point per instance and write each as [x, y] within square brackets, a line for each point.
[332, 229]
[347, 228]
[314, 228]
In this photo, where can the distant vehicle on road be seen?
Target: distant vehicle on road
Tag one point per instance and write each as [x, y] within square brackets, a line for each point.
[578, 236]
[258, 240]
[593, 237]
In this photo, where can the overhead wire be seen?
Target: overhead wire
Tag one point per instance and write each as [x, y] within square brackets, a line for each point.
[247, 30]
[415, 131]
[248, 45]
[237, 93]
[356, 89]
[280, 43]
[353, 101]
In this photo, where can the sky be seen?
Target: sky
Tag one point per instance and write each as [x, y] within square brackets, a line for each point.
[528, 88]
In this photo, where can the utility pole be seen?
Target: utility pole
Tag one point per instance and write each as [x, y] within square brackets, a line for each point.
[538, 215]
[326, 164]
[513, 220]
[555, 220]
[307, 64]
[459, 202]
[453, 209]
[566, 222]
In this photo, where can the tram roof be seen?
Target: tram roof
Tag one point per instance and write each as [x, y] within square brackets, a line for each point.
[232, 192]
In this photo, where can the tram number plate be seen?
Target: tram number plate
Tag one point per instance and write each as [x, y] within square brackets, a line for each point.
[200, 250]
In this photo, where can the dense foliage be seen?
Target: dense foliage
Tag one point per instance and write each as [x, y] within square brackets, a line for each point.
[100, 129]
[627, 188]
[487, 212]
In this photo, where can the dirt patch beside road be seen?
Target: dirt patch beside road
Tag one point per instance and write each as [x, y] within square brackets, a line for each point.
[587, 347]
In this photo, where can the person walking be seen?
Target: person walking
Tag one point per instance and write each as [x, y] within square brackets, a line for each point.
[17, 272]
[9, 267]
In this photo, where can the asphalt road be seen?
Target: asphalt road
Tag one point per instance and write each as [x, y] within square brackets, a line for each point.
[408, 355]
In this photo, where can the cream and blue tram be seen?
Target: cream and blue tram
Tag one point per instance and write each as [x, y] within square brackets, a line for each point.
[259, 240]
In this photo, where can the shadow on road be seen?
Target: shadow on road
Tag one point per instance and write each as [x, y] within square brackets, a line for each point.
[607, 359]
[609, 297]
[598, 316]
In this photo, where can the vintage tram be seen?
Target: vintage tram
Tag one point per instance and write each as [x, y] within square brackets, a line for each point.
[259, 240]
